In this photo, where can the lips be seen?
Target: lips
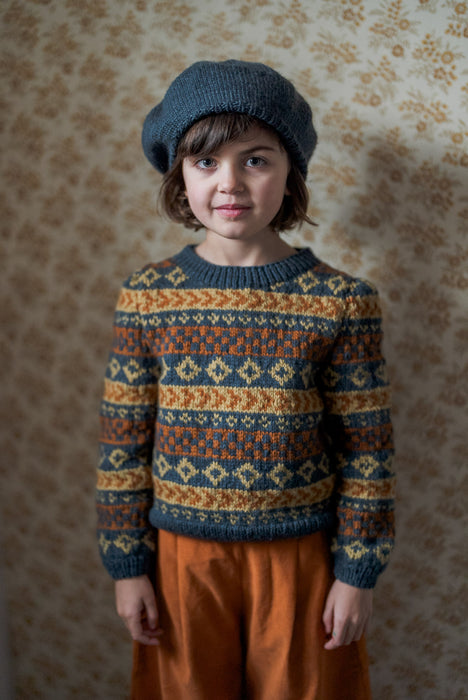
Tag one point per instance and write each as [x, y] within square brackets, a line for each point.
[231, 210]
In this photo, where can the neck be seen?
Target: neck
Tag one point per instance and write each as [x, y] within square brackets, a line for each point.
[236, 253]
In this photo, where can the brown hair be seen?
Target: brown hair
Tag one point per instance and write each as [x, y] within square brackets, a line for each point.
[208, 135]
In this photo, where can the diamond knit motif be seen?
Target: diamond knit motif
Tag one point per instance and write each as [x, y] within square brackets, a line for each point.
[218, 370]
[250, 371]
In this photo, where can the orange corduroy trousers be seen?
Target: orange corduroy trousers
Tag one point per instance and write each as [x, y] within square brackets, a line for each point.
[243, 621]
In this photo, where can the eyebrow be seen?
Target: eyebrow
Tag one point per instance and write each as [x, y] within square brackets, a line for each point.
[244, 152]
[258, 147]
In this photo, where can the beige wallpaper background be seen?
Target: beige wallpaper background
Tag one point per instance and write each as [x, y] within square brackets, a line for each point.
[388, 84]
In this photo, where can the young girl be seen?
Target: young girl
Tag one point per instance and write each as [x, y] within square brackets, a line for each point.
[245, 487]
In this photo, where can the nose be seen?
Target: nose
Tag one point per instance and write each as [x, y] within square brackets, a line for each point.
[230, 179]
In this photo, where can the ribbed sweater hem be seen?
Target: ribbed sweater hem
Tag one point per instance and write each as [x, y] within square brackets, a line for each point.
[224, 532]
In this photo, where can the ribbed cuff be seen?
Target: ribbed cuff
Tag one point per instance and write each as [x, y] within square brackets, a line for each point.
[130, 567]
[360, 577]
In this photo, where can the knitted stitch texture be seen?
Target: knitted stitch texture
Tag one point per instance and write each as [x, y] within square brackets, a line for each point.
[246, 404]
[216, 87]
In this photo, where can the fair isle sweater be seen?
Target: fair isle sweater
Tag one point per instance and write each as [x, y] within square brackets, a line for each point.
[243, 404]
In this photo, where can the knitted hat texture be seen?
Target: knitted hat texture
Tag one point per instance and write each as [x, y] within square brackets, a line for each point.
[209, 87]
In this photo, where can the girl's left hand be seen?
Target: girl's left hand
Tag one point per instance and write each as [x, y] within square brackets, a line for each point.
[347, 614]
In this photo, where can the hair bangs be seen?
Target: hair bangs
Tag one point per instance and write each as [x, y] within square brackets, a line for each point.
[214, 131]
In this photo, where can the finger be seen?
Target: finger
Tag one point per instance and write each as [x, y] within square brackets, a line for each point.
[327, 618]
[350, 635]
[339, 636]
[140, 632]
[134, 626]
[335, 640]
[151, 614]
[150, 631]
[354, 633]
[150, 637]
[362, 627]
[359, 632]
[332, 643]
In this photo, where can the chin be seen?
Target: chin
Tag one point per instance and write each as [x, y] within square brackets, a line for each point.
[241, 234]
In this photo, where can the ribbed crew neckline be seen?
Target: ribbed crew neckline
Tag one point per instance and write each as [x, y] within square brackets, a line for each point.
[237, 277]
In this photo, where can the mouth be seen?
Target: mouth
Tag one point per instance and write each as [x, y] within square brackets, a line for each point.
[231, 211]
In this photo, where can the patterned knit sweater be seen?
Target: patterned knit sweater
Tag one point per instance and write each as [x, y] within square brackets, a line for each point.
[246, 403]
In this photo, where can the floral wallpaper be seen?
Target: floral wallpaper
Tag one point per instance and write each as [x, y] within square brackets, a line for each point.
[388, 84]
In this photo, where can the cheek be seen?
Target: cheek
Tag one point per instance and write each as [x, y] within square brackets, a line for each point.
[191, 186]
[276, 193]
[196, 190]
[197, 203]
[194, 198]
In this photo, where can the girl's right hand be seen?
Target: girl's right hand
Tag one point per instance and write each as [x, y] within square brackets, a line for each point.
[136, 605]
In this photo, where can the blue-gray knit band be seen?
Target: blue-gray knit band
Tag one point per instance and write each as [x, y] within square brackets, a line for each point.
[209, 87]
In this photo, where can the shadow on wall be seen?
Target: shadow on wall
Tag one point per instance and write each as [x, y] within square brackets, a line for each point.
[411, 214]
[6, 686]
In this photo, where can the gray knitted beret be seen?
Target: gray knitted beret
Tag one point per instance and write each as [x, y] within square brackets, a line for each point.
[209, 87]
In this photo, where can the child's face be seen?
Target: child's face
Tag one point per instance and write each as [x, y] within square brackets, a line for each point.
[237, 191]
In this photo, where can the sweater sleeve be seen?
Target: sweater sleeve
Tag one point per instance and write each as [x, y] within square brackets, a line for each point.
[124, 492]
[357, 401]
